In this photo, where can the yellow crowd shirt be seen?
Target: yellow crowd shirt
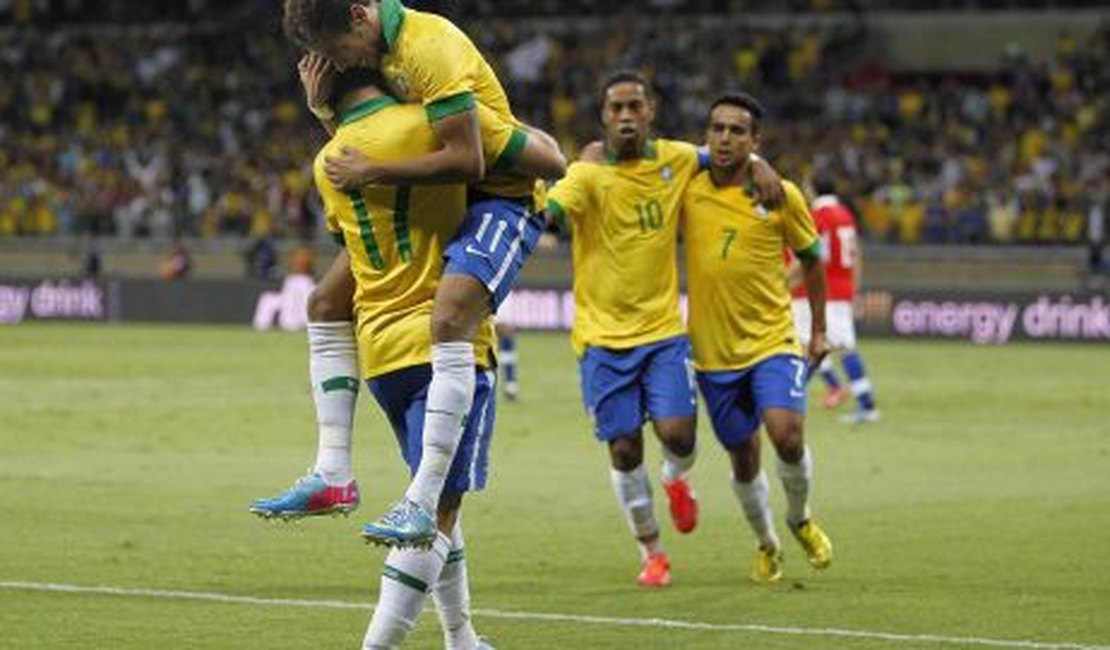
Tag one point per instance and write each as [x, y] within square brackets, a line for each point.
[739, 305]
[624, 219]
[396, 236]
[429, 60]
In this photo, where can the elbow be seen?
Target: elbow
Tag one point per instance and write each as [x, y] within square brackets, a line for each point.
[556, 169]
[472, 169]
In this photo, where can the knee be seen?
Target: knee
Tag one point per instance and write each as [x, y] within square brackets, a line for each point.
[625, 454]
[324, 307]
[678, 436]
[450, 323]
[789, 440]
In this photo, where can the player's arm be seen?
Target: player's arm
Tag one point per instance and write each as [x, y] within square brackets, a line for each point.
[768, 183]
[813, 275]
[459, 160]
[540, 156]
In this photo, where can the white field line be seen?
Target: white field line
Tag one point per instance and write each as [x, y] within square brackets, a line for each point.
[561, 618]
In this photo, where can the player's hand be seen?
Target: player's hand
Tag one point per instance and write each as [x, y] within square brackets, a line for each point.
[594, 152]
[818, 350]
[317, 77]
[768, 184]
[350, 169]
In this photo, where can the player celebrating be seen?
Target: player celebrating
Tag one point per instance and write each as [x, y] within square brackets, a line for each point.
[749, 365]
[843, 260]
[426, 59]
[628, 332]
[396, 237]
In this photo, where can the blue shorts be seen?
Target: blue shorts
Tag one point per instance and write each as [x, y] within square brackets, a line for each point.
[736, 399]
[496, 237]
[621, 387]
[402, 395]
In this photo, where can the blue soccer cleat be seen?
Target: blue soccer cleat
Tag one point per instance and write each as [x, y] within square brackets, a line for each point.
[310, 496]
[406, 525]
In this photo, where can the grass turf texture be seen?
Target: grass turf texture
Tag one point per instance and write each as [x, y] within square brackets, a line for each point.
[979, 507]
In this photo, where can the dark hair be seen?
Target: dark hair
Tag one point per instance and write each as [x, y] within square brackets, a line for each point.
[823, 183]
[620, 77]
[306, 20]
[744, 101]
[351, 80]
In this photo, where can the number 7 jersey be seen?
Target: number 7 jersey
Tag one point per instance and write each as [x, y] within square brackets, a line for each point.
[736, 276]
[624, 218]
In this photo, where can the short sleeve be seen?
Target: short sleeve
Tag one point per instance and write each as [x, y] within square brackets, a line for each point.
[799, 228]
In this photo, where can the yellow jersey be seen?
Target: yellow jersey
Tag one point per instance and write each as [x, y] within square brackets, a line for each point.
[396, 236]
[739, 305]
[624, 221]
[427, 59]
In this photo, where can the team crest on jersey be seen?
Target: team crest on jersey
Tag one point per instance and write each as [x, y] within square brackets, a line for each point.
[667, 173]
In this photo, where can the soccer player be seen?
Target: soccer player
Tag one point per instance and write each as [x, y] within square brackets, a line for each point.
[506, 353]
[427, 59]
[843, 259]
[749, 364]
[396, 238]
[633, 351]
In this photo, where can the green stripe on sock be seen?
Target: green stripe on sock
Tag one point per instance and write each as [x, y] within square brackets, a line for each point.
[456, 556]
[412, 582]
[340, 383]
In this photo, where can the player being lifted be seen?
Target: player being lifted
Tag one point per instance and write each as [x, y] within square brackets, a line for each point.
[395, 237]
[843, 260]
[634, 355]
[750, 367]
[425, 59]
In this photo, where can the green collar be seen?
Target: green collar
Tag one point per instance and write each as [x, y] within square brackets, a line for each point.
[391, 14]
[368, 107]
[649, 153]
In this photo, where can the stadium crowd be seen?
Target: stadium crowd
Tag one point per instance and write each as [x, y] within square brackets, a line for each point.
[180, 128]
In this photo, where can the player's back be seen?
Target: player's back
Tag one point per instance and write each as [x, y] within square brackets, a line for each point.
[839, 241]
[395, 235]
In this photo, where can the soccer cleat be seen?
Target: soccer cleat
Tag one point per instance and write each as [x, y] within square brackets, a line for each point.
[483, 644]
[656, 571]
[861, 416]
[768, 565]
[834, 397]
[684, 505]
[406, 525]
[815, 542]
[512, 391]
[310, 496]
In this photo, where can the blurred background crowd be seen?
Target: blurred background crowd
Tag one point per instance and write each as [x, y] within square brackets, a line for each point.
[152, 120]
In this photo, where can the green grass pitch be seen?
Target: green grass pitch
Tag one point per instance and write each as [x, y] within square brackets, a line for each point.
[977, 512]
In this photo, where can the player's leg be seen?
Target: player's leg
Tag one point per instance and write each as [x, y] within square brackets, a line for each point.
[671, 399]
[333, 371]
[778, 386]
[410, 574]
[483, 262]
[842, 336]
[735, 424]
[507, 359]
[612, 394]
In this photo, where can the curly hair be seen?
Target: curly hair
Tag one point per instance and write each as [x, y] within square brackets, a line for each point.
[305, 21]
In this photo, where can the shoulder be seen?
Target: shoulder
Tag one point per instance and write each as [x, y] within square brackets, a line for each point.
[676, 149]
[795, 199]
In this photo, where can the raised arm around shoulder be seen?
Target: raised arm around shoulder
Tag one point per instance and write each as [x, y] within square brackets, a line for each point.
[459, 160]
